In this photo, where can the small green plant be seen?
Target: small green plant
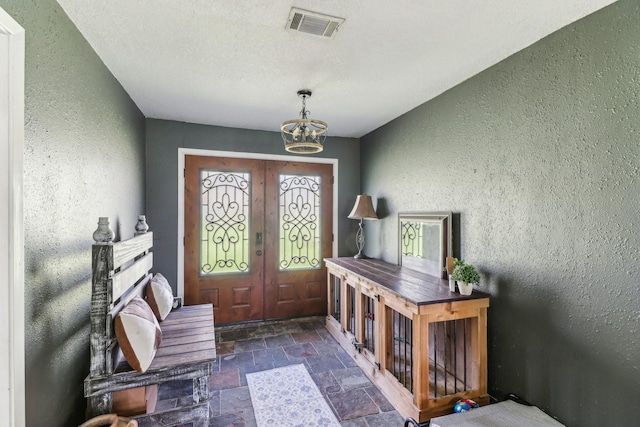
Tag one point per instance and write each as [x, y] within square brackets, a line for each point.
[465, 273]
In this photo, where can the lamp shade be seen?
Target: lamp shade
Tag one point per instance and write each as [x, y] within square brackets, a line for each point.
[363, 208]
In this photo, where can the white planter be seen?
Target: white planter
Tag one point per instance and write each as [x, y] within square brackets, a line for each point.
[452, 285]
[465, 288]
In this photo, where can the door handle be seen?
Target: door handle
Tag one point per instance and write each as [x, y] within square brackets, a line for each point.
[258, 238]
[259, 253]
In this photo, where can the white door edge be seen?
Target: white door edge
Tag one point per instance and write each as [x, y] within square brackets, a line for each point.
[12, 325]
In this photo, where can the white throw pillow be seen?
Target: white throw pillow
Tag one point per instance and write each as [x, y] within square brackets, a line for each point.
[159, 296]
[138, 333]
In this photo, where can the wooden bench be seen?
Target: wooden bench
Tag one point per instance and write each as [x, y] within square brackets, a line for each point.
[187, 351]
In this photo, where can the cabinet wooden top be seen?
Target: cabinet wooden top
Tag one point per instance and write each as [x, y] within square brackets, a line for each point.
[415, 287]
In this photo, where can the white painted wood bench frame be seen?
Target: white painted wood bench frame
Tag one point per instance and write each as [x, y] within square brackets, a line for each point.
[120, 272]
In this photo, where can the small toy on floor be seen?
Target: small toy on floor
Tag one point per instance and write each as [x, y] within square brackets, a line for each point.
[464, 405]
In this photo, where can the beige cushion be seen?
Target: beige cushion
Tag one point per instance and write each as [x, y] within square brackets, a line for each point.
[138, 334]
[159, 296]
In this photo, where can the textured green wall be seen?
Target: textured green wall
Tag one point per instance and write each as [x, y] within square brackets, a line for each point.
[165, 137]
[540, 156]
[83, 158]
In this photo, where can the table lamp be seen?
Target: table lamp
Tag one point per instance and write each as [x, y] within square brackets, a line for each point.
[363, 209]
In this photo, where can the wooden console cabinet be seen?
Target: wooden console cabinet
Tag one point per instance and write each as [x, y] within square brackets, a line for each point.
[423, 346]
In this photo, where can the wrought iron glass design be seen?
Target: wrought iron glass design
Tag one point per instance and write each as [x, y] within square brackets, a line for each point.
[421, 246]
[412, 239]
[224, 222]
[299, 220]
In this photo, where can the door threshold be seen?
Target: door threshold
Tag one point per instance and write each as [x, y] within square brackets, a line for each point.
[251, 323]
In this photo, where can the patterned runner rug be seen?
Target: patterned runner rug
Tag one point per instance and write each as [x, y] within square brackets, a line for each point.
[288, 397]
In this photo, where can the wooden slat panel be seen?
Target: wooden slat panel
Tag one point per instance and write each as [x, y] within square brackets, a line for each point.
[188, 332]
[185, 326]
[177, 316]
[187, 320]
[186, 335]
[421, 357]
[185, 309]
[123, 280]
[453, 310]
[101, 260]
[177, 416]
[205, 334]
[111, 356]
[413, 286]
[180, 316]
[481, 350]
[129, 379]
[183, 359]
[127, 250]
[186, 348]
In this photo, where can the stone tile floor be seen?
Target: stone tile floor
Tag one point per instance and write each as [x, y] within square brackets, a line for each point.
[255, 347]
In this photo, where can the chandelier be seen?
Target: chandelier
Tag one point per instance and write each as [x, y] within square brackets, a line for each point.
[304, 136]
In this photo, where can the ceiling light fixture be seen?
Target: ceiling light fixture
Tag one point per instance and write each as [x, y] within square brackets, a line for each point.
[304, 136]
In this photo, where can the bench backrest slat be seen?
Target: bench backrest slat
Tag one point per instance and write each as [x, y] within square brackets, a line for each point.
[124, 280]
[109, 285]
[128, 250]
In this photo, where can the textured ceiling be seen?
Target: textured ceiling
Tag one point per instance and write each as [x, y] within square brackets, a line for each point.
[232, 63]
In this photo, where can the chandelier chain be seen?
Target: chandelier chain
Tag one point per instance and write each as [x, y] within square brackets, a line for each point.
[304, 112]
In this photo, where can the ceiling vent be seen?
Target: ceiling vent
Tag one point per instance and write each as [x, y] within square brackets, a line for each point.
[313, 23]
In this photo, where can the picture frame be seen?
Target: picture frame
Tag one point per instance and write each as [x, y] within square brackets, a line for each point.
[425, 241]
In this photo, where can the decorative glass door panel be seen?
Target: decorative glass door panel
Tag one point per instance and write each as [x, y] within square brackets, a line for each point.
[298, 237]
[223, 263]
[256, 233]
[225, 226]
[300, 227]
[412, 241]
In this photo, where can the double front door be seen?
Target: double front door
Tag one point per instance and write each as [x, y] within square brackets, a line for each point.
[256, 234]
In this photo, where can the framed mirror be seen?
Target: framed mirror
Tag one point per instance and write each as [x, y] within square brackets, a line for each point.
[425, 241]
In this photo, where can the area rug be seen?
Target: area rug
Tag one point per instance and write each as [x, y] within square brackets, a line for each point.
[288, 397]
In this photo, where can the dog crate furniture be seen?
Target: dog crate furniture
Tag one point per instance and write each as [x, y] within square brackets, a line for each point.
[187, 350]
[423, 346]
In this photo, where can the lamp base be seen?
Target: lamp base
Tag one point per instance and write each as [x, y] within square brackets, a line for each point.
[360, 242]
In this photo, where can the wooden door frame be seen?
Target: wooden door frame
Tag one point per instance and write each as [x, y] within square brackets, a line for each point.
[12, 324]
[182, 152]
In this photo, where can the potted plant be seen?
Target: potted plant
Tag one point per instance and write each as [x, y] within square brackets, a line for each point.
[466, 276]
